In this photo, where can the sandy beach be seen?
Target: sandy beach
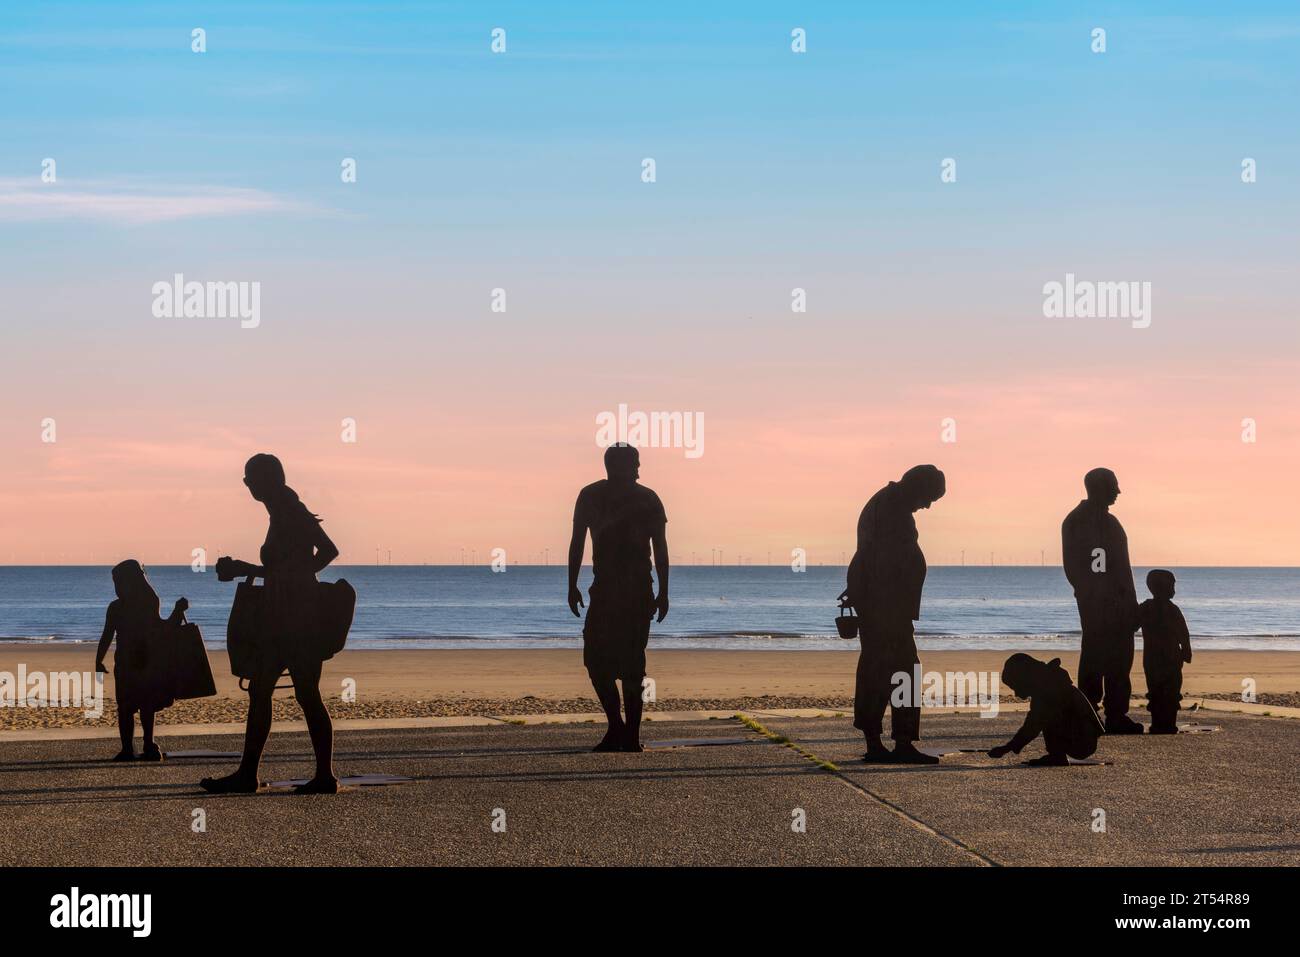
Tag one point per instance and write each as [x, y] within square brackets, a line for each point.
[431, 683]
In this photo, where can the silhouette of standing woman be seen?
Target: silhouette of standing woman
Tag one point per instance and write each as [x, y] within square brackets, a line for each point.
[296, 549]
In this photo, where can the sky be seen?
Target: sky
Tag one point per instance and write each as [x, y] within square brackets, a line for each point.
[523, 171]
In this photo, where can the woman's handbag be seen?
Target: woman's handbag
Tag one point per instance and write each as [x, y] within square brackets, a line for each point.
[249, 632]
[337, 603]
[191, 675]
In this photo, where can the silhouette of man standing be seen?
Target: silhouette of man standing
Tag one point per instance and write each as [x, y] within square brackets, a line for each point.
[625, 519]
[885, 582]
[1094, 551]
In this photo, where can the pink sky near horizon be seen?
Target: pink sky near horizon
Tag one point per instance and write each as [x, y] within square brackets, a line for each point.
[442, 463]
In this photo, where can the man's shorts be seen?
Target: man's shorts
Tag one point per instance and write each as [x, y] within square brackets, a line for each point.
[615, 635]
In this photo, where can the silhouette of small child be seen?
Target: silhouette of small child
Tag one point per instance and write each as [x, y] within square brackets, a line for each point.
[1057, 710]
[139, 677]
[1166, 646]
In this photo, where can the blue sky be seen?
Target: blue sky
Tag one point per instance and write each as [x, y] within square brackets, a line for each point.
[548, 137]
[770, 164]
[816, 167]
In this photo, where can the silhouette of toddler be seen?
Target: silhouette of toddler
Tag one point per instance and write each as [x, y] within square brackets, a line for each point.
[1166, 645]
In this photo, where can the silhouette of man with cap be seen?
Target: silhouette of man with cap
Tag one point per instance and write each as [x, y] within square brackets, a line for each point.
[625, 520]
[1094, 551]
[885, 582]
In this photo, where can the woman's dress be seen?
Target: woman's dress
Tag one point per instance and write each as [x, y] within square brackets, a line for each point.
[292, 592]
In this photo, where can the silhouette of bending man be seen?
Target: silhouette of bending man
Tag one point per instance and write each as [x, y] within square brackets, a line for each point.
[885, 582]
[1094, 551]
[625, 519]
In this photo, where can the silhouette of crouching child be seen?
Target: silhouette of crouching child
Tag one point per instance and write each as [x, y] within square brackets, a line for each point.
[139, 677]
[1057, 710]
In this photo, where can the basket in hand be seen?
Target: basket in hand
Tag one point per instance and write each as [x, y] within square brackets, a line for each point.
[847, 622]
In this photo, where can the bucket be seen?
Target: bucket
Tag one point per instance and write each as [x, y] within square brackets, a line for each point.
[847, 623]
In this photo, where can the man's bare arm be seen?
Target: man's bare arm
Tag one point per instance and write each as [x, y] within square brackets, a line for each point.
[1074, 558]
[576, 545]
[660, 542]
[105, 640]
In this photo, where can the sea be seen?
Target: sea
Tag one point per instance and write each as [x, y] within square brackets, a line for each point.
[752, 607]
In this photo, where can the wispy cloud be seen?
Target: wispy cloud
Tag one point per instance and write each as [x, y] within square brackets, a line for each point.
[26, 201]
[1267, 30]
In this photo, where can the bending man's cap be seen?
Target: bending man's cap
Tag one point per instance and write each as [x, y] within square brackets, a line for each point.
[927, 479]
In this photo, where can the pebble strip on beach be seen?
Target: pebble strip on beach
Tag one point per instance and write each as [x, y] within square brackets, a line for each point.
[220, 709]
[1286, 699]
